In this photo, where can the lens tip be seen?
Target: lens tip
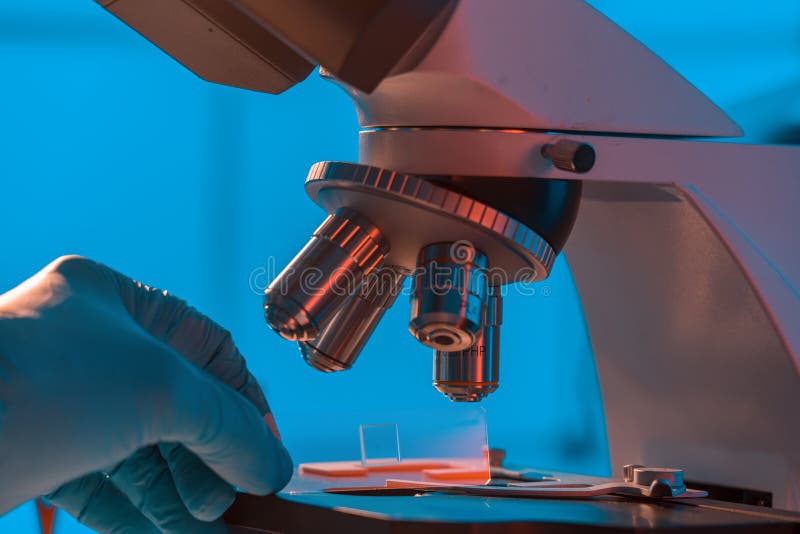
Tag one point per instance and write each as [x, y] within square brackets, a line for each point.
[465, 392]
[288, 320]
[319, 360]
[442, 337]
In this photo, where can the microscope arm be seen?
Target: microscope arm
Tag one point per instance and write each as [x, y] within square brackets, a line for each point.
[270, 45]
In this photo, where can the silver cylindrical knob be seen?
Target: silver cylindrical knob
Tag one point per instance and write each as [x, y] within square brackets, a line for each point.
[448, 297]
[627, 471]
[324, 274]
[571, 156]
[644, 476]
[472, 374]
[342, 339]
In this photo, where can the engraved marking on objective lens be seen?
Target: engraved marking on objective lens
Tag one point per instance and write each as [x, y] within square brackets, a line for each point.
[474, 350]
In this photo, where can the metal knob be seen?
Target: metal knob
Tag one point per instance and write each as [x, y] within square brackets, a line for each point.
[645, 476]
[627, 471]
[329, 269]
[571, 156]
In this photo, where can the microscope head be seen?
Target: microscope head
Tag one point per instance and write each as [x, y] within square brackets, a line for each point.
[457, 215]
[461, 238]
[271, 45]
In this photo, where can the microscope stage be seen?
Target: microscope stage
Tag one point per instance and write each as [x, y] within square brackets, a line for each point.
[441, 514]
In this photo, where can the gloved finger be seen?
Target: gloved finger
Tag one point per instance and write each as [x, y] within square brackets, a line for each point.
[193, 335]
[202, 491]
[225, 431]
[145, 479]
[99, 505]
[209, 346]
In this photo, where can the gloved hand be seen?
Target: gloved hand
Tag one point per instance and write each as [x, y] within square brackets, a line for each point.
[135, 412]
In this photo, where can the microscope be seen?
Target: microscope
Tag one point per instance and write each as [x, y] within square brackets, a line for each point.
[496, 136]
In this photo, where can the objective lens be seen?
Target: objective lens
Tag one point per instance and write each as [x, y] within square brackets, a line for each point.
[323, 275]
[472, 374]
[342, 339]
[449, 296]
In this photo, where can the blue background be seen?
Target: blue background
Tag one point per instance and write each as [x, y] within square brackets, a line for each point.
[110, 149]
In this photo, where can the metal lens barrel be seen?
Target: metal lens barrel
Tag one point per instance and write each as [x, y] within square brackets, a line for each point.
[472, 374]
[323, 275]
[341, 340]
[449, 295]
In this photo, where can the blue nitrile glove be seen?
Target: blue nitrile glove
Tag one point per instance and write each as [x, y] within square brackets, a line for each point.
[132, 410]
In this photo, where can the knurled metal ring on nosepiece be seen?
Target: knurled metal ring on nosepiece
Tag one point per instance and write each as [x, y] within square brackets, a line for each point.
[413, 211]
